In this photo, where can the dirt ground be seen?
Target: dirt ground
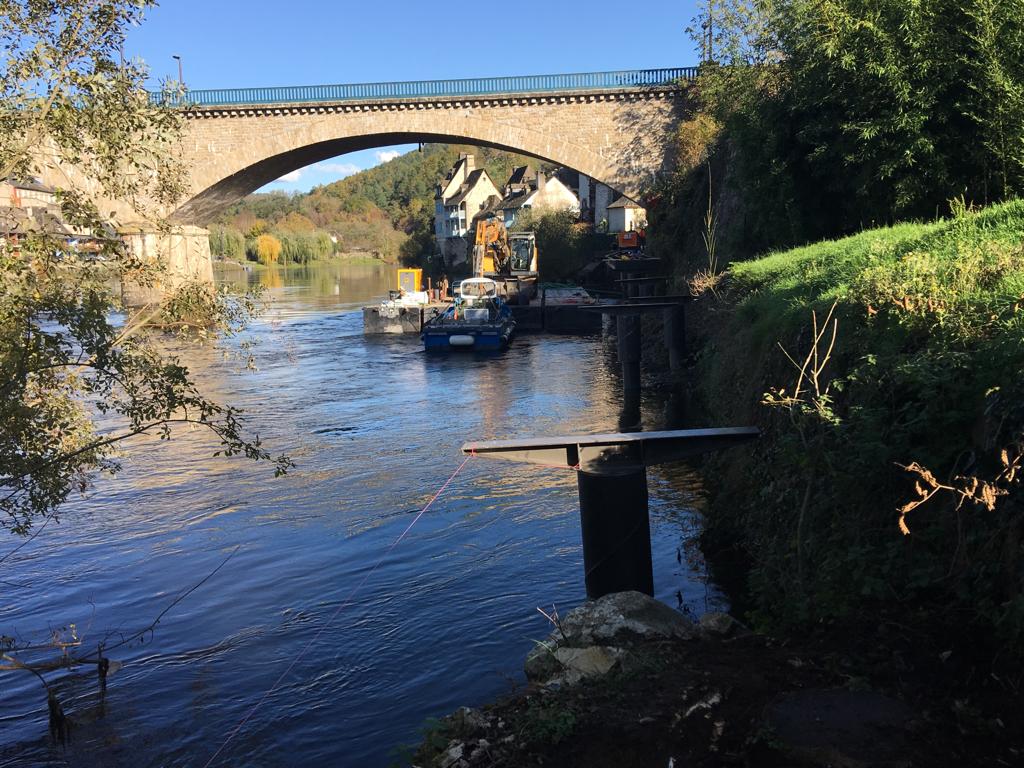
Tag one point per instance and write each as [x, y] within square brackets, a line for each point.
[744, 701]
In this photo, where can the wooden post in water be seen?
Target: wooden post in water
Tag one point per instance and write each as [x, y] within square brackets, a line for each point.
[628, 332]
[674, 318]
[616, 532]
[628, 341]
[629, 417]
[674, 324]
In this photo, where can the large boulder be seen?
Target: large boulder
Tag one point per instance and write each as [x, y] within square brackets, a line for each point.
[593, 639]
[722, 625]
[620, 617]
[566, 666]
[541, 663]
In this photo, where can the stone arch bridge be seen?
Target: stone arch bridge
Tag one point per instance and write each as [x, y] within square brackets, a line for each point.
[612, 126]
[615, 127]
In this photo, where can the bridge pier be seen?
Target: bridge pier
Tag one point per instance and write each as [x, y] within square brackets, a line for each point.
[184, 253]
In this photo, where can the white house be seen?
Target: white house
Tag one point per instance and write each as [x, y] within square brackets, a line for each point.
[594, 196]
[462, 195]
[527, 189]
[624, 215]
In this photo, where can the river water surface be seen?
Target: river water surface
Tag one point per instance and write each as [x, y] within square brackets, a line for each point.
[374, 426]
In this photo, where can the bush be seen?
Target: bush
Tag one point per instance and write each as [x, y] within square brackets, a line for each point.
[563, 248]
[303, 248]
[265, 249]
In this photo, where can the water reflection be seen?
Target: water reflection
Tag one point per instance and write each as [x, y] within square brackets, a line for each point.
[321, 285]
[375, 426]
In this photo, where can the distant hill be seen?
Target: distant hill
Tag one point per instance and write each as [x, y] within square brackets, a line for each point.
[387, 210]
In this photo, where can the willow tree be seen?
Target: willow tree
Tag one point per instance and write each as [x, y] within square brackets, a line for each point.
[71, 109]
[268, 249]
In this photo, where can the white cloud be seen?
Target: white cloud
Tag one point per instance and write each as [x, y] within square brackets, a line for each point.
[342, 169]
[385, 155]
[292, 177]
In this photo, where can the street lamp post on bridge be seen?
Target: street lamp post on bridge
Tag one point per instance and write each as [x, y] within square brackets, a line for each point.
[181, 77]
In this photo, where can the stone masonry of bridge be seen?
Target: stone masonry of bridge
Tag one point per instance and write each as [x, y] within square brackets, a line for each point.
[621, 138]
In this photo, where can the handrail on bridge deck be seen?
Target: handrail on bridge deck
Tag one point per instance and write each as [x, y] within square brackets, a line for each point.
[420, 89]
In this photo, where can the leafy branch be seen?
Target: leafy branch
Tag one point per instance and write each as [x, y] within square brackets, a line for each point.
[965, 489]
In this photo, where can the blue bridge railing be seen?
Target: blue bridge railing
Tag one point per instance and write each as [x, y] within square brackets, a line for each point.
[419, 89]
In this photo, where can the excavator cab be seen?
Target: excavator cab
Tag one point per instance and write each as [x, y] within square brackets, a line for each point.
[524, 252]
[498, 252]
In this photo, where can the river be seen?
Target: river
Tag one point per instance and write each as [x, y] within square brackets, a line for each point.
[374, 426]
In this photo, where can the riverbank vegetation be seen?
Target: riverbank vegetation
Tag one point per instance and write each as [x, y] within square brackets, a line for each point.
[821, 119]
[886, 372]
[883, 359]
[386, 211]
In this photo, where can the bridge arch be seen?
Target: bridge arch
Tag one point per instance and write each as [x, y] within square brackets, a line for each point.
[619, 139]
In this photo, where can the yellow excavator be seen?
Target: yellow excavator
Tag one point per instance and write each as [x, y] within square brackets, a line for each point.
[509, 259]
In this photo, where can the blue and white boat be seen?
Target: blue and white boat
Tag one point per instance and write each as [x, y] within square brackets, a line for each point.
[478, 319]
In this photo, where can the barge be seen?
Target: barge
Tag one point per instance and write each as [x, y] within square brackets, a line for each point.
[478, 319]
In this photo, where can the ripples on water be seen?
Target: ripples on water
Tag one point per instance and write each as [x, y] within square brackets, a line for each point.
[375, 426]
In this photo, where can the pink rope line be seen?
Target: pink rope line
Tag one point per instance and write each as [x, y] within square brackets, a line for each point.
[344, 604]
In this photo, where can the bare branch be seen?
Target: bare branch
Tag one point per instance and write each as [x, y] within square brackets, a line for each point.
[71, 660]
[152, 625]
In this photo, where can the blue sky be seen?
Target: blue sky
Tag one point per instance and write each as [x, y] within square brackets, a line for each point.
[229, 43]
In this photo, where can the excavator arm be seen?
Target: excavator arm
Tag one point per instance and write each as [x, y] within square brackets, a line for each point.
[491, 252]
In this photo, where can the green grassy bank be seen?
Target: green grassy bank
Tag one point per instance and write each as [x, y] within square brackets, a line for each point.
[901, 395]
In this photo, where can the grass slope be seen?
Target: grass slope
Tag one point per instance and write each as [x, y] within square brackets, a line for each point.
[926, 369]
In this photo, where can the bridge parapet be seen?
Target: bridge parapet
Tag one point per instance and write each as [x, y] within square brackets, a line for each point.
[491, 101]
[581, 82]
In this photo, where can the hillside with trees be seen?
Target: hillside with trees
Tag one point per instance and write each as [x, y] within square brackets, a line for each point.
[385, 212]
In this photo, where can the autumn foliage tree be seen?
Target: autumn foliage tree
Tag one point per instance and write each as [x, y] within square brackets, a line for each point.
[267, 249]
